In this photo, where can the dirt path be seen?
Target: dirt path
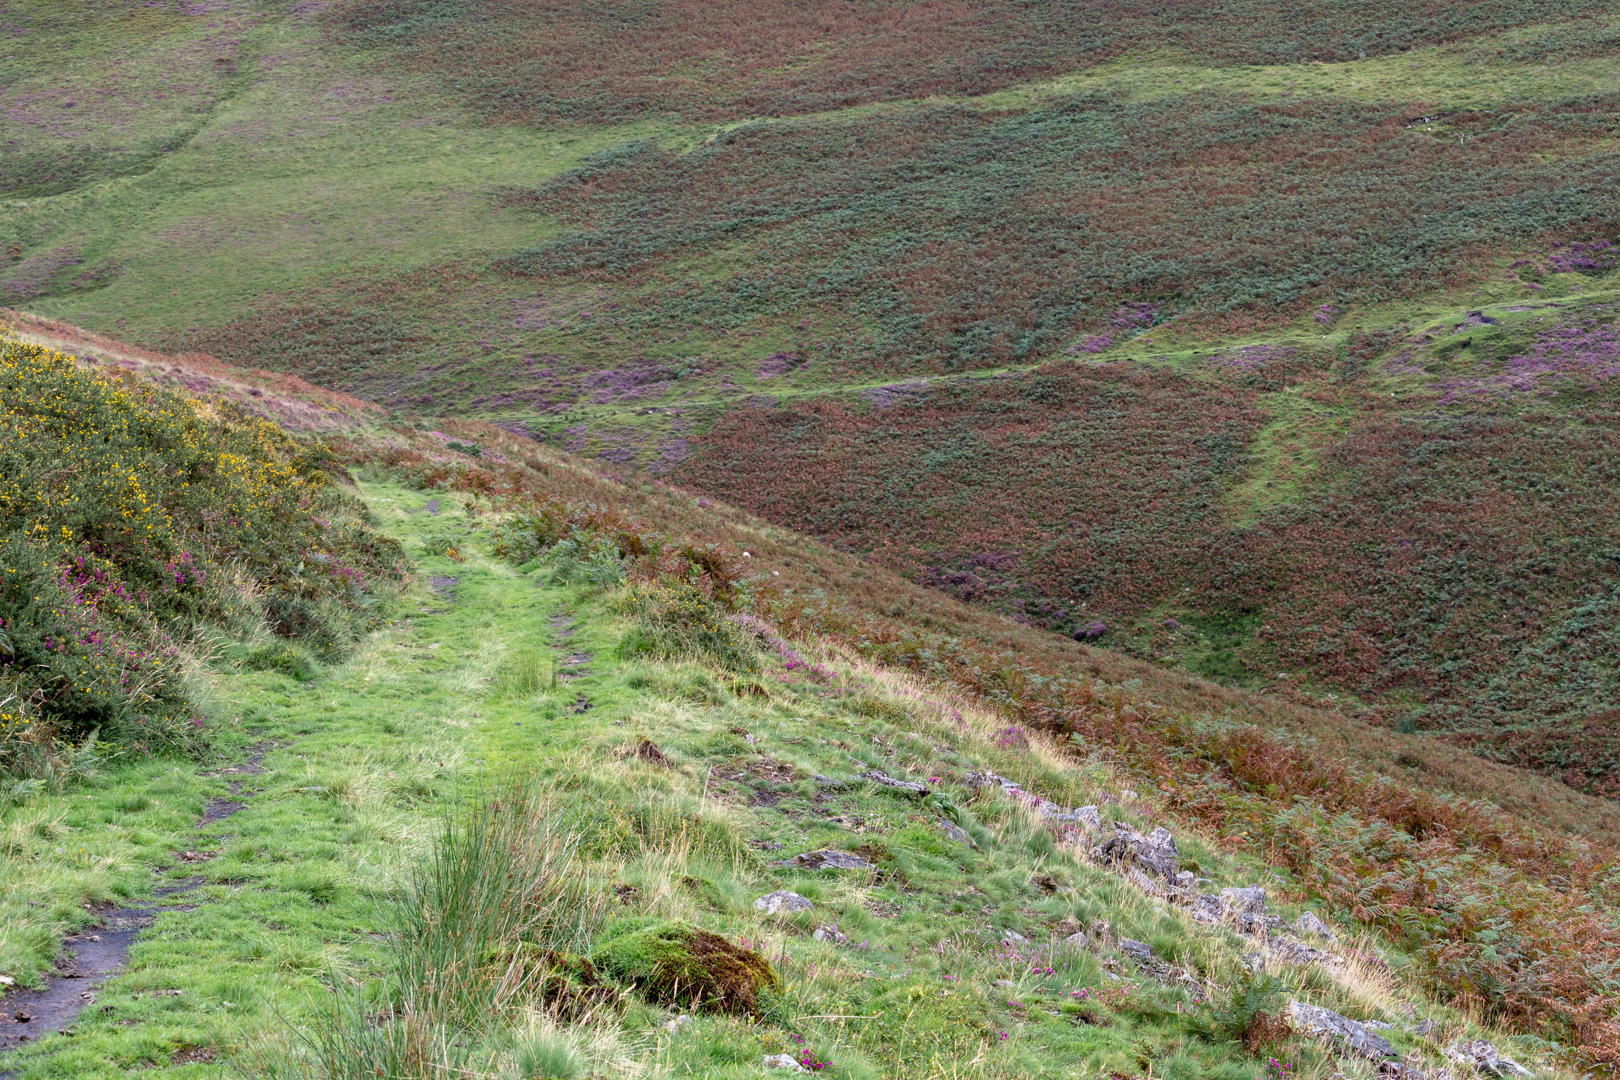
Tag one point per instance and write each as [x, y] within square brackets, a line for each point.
[95, 954]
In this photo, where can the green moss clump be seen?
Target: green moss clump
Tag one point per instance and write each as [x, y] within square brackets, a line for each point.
[675, 963]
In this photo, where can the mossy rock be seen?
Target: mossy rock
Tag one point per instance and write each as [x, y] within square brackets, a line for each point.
[675, 963]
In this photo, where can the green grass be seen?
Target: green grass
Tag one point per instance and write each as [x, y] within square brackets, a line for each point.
[364, 763]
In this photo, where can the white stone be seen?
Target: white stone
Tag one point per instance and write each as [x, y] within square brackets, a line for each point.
[782, 901]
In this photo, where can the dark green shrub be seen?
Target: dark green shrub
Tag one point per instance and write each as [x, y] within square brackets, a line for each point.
[280, 657]
[681, 621]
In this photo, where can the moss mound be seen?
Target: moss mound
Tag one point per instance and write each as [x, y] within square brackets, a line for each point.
[675, 963]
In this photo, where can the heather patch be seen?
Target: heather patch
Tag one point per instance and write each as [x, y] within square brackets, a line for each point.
[1254, 213]
[1579, 354]
[579, 62]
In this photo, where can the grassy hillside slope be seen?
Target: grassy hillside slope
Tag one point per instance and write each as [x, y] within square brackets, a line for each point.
[1277, 348]
[640, 703]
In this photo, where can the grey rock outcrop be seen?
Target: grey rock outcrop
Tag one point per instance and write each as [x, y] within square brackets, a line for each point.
[1346, 1034]
[1483, 1057]
[910, 787]
[1308, 923]
[1252, 898]
[827, 860]
[783, 900]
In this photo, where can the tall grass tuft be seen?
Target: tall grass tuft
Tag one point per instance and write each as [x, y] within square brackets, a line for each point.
[501, 890]
[547, 1057]
[475, 933]
[525, 672]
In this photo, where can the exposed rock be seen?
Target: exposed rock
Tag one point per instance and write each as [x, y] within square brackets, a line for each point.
[783, 1061]
[1255, 924]
[826, 781]
[1151, 886]
[1155, 854]
[878, 776]
[957, 833]
[1089, 817]
[830, 932]
[1207, 909]
[827, 860]
[1013, 937]
[1252, 898]
[1297, 952]
[989, 779]
[1426, 1027]
[783, 900]
[1255, 961]
[1186, 881]
[1139, 951]
[1484, 1057]
[1308, 923]
[1343, 1032]
[1402, 1071]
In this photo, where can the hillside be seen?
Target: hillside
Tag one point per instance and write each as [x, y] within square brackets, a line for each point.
[640, 706]
[1275, 347]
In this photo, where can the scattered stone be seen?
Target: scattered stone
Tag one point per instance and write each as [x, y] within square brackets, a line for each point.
[1155, 856]
[1297, 952]
[782, 900]
[989, 779]
[1484, 1057]
[1148, 885]
[1256, 924]
[1013, 937]
[830, 932]
[1186, 881]
[1139, 951]
[827, 860]
[1207, 909]
[826, 781]
[1345, 1033]
[783, 1061]
[1426, 1027]
[1089, 817]
[1308, 923]
[878, 776]
[957, 833]
[1255, 962]
[1252, 898]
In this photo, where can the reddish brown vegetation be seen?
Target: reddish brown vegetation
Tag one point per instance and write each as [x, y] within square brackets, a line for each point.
[600, 61]
[1498, 913]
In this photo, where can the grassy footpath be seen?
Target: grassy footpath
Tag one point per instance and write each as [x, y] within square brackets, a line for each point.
[485, 677]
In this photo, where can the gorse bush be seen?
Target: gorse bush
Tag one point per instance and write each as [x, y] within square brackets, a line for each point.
[679, 621]
[129, 518]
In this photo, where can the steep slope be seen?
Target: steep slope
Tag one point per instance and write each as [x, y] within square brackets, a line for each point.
[1275, 346]
[738, 673]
